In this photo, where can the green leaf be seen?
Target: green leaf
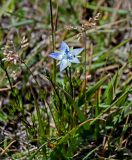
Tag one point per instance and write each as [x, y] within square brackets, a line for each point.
[91, 91]
[111, 90]
[107, 9]
[68, 96]
[7, 6]
[120, 101]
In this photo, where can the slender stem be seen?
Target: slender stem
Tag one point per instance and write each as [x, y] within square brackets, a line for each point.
[12, 90]
[53, 39]
[56, 18]
[69, 77]
[72, 110]
[31, 73]
[9, 80]
[72, 94]
[85, 65]
[67, 73]
[57, 93]
[71, 86]
[96, 114]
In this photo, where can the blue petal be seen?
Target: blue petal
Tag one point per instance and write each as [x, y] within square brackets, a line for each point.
[75, 60]
[56, 55]
[63, 47]
[76, 51]
[64, 63]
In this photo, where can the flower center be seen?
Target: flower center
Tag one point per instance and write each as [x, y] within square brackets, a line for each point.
[67, 55]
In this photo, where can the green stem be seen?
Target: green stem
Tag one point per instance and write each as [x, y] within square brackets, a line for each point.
[12, 90]
[96, 115]
[71, 86]
[72, 94]
[56, 18]
[31, 73]
[85, 66]
[67, 73]
[57, 93]
[53, 39]
[8, 77]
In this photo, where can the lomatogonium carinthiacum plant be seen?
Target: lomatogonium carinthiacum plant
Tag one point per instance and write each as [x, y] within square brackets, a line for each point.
[66, 56]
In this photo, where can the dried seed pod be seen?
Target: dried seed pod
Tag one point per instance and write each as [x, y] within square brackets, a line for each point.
[92, 22]
[9, 47]
[9, 52]
[24, 42]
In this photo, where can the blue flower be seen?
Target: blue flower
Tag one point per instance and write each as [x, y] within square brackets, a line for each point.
[66, 56]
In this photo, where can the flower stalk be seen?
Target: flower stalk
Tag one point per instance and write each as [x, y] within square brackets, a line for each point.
[53, 39]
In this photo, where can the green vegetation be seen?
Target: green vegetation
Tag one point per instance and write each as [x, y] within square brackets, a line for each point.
[84, 111]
